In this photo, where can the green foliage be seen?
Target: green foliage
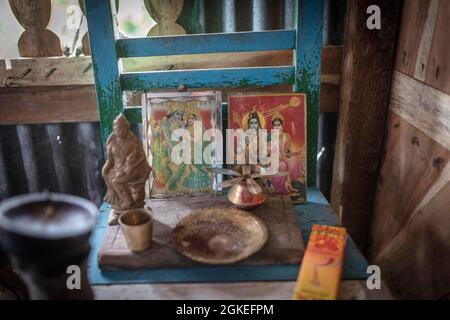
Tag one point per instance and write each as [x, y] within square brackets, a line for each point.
[130, 26]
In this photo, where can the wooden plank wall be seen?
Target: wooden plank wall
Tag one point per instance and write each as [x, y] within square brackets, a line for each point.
[410, 229]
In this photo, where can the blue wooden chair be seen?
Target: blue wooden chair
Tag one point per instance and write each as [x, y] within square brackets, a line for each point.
[303, 74]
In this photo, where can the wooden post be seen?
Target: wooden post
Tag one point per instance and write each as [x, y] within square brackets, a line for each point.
[102, 32]
[365, 89]
[307, 61]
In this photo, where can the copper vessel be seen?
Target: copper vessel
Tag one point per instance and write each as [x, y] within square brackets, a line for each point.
[247, 194]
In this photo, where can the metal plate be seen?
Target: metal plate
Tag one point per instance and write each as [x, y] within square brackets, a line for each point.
[219, 235]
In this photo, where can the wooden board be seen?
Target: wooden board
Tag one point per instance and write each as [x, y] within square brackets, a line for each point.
[410, 225]
[38, 72]
[285, 244]
[61, 71]
[48, 105]
[422, 106]
[438, 74]
[411, 37]
[412, 164]
[416, 262]
[25, 105]
[365, 87]
[423, 49]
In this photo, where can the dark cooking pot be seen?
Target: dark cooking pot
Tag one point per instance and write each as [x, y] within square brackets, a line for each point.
[46, 236]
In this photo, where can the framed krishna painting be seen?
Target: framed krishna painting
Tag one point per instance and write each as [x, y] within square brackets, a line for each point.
[179, 130]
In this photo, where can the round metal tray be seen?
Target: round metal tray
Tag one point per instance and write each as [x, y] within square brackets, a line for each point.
[219, 235]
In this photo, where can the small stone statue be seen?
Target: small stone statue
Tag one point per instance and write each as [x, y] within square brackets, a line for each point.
[125, 171]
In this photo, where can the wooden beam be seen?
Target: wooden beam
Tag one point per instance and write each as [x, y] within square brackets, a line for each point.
[39, 72]
[210, 60]
[208, 78]
[365, 89]
[62, 71]
[424, 107]
[102, 26]
[206, 43]
[47, 105]
[78, 104]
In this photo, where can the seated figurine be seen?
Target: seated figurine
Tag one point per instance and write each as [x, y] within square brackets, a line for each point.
[126, 170]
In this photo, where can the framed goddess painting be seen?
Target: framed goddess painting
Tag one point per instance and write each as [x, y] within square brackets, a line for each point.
[180, 141]
[260, 114]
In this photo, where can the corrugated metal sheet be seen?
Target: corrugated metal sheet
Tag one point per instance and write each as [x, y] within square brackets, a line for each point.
[68, 157]
[55, 157]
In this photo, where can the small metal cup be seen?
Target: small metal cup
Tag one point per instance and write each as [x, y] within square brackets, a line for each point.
[137, 225]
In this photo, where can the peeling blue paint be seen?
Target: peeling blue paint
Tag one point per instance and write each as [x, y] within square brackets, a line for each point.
[208, 78]
[206, 43]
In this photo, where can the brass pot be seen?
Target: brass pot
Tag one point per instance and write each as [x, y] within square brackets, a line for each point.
[137, 226]
[247, 194]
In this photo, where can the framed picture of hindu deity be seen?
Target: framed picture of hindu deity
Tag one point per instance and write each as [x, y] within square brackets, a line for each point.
[279, 123]
[180, 139]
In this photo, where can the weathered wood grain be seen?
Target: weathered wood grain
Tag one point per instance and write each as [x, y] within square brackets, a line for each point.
[438, 74]
[415, 262]
[284, 246]
[45, 71]
[414, 20]
[424, 107]
[60, 71]
[165, 14]
[36, 40]
[215, 60]
[426, 40]
[47, 105]
[413, 164]
[365, 88]
[78, 104]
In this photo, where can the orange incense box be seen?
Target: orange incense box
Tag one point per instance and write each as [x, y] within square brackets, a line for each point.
[321, 269]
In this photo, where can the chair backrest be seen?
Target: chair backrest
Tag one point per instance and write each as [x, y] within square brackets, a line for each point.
[303, 74]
